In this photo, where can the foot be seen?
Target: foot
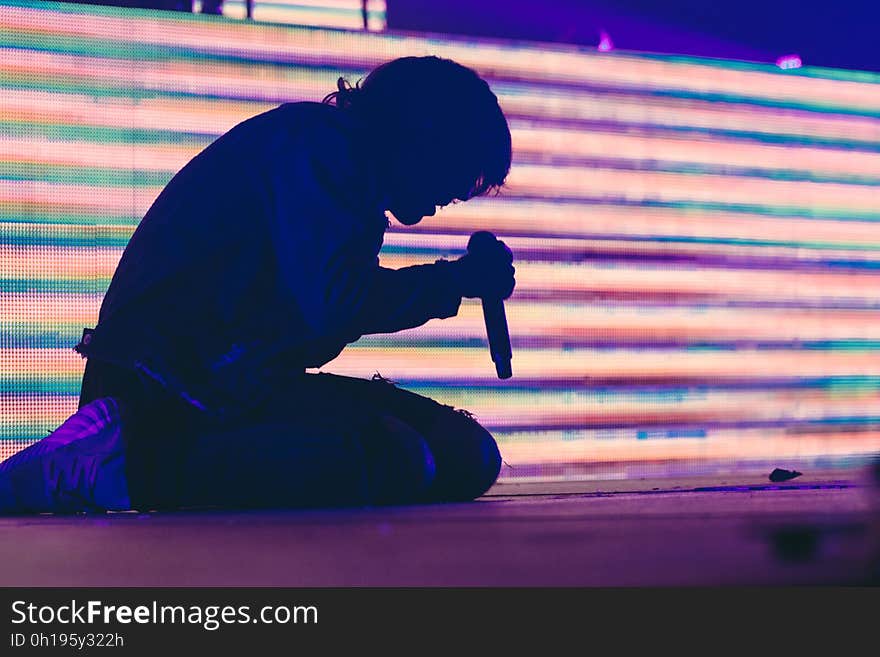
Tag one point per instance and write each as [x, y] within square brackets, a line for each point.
[79, 467]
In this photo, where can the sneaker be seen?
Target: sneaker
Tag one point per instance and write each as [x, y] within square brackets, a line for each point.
[79, 467]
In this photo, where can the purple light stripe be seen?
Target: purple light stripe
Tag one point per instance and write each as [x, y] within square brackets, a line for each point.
[821, 425]
[645, 257]
[569, 340]
[632, 298]
[644, 383]
[648, 129]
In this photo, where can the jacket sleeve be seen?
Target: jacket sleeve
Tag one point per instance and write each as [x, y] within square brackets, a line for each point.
[326, 230]
[408, 297]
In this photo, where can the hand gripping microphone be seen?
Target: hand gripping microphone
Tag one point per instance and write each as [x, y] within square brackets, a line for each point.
[493, 314]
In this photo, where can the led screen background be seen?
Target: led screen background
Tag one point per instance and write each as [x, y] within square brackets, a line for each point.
[697, 241]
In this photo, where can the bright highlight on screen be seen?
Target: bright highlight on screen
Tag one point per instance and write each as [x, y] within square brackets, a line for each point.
[697, 242]
[345, 14]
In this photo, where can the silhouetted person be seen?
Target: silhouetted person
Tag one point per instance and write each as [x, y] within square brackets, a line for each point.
[259, 260]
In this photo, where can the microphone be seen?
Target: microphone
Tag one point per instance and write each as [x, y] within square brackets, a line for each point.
[493, 314]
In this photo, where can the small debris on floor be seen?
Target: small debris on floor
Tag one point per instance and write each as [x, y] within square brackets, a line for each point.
[783, 475]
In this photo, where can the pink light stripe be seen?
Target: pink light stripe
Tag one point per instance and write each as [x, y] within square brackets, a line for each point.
[543, 143]
[614, 324]
[652, 279]
[49, 308]
[547, 412]
[458, 363]
[507, 217]
[598, 248]
[200, 115]
[61, 262]
[550, 418]
[56, 231]
[174, 76]
[453, 362]
[672, 188]
[168, 158]
[131, 200]
[35, 262]
[547, 142]
[608, 107]
[601, 323]
[575, 220]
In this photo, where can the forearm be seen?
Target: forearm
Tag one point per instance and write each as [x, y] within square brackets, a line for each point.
[404, 298]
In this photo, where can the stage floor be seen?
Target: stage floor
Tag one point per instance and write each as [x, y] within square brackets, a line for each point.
[820, 529]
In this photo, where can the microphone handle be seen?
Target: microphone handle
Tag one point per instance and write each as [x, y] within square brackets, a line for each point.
[499, 336]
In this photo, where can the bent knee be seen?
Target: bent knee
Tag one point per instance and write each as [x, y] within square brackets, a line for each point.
[467, 459]
[400, 464]
[487, 465]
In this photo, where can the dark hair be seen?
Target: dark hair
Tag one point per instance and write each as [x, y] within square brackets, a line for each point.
[455, 104]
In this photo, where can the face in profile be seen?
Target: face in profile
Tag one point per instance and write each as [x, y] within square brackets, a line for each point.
[418, 184]
[433, 131]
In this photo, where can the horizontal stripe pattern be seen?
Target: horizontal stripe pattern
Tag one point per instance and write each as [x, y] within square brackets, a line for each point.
[697, 242]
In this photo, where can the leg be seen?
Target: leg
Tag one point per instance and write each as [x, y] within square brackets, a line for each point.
[326, 440]
[318, 440]
[310, 460]
[108, 457]
[301, 447]
[466, 456]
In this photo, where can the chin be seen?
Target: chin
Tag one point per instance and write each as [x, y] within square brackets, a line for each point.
[408, 220]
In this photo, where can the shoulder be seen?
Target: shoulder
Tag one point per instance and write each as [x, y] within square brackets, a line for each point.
[325, 127]
[328, 139]
[317, 132]
[318, 146]
[301, 122]
[305, 117]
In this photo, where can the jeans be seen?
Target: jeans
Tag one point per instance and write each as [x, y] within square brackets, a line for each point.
[314, 440]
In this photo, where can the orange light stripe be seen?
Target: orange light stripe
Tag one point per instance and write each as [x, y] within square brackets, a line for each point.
[637, 186]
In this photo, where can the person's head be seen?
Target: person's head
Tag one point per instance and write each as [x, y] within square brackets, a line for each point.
[437, 133]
